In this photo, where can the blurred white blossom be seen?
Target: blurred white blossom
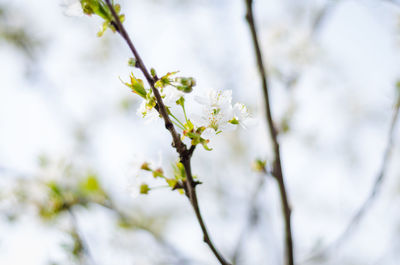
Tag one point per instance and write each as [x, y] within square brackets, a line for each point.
[73, 8]
[170, 95]
[242, 115]
[289, 47]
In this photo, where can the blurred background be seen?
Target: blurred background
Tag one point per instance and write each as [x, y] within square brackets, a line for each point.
[71, 142]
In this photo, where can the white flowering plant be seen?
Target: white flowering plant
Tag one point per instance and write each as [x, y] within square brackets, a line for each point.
[166, 98]
[193, 116]
[218, 114]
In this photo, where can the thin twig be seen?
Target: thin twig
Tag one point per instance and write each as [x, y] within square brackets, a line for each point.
[251, 222]
[277, 168]
[321, 17]
[80, 237]
[180, 258]
[184, 154]
[367, 204]
[393, 2]
[318, 21]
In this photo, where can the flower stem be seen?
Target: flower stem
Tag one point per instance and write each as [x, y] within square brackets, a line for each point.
[181, 125]
[184, 113]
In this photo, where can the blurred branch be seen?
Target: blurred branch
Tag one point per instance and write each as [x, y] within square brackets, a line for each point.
[373, 194]
[252, 220]
[393, 2]
[321, 16]
[184, 153]
[82, 245]
[17, 34]
[277, 167]
[180, 258]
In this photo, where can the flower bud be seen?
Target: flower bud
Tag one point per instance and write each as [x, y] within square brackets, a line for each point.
[144, 188]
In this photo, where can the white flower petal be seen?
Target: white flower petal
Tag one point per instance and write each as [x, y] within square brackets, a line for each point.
[73, 9]
[208, 133]
[172, 95]
[148, 114]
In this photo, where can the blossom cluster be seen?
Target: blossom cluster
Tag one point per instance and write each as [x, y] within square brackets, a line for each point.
[218, 113]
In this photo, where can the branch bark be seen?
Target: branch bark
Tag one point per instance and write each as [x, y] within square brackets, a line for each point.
[184, 153]
[277, 168]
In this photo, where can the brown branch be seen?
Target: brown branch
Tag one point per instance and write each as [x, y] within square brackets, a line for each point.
[184, 154]
[367, 204]
[277, 168]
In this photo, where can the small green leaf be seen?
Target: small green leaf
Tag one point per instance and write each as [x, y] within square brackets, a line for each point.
[171, 182]
[204, 144]
[234, 121]
[137, 86]
[103, 29]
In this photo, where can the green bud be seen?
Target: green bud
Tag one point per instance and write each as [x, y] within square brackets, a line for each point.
[122, 18]
[285, 126]
[186, 84]
[179, 171]
[158, 173]
[132, 62]
[181, 101]
[153, 72]
[87, 8]
[234, 121]
[185, 89]
[117, 8]
[145, 166]
[144, 189]
[259, 165]
[172, 182]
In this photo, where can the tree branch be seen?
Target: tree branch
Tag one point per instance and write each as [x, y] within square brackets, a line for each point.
[184, 153]
[252, 219]
[180, 258]
[362, 211]
[277, 168]
[80, 237]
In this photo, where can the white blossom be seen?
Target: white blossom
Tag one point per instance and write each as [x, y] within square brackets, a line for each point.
[217, 113]
[242, 115]
[73, 8]
[150, 114]
[170, 95]
[216, 99]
